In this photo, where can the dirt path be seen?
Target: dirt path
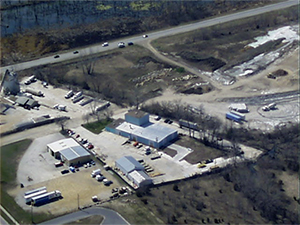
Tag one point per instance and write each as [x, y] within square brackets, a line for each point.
[243, 87]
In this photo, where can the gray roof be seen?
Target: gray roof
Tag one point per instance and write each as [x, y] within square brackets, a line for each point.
[22, 100]
[136, 113]
[129, 163]
[74, 152]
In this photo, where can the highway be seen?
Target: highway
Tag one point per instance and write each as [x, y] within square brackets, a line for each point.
[154, 35]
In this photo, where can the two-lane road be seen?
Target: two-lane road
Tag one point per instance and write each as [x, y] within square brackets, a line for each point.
[110, 217]
[154, 35]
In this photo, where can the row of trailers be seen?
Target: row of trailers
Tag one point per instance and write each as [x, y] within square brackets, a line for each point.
[233, 116]
[40, 196]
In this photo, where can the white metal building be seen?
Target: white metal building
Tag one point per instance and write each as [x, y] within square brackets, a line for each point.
[69, 151]
[128, 164]
[138, 128]
[139, 178]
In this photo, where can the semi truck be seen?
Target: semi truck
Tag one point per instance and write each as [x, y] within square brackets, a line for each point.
[188, 124]
[45, 198]
[269, 107]
[28, 198]
[233, 117]
[34, 92]
[60, 107]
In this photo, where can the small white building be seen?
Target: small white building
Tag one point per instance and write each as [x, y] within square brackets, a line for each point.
[239, 107]
[139, 178]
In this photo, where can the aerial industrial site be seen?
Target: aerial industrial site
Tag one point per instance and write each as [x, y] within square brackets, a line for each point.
[180, 120]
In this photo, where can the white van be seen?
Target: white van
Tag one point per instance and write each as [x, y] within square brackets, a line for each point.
[96, 172]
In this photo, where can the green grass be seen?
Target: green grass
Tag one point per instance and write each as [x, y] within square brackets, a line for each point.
[10, 157]
[98, 126]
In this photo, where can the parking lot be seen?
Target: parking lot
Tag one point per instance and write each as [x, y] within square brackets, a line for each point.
[37, 169]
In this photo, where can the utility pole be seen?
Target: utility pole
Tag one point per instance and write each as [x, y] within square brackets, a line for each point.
[78, 201]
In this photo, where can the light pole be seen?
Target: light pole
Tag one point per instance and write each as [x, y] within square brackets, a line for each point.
[31, 206]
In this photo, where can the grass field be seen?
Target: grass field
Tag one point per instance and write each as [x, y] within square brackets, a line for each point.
[97, 126]
[10, 157]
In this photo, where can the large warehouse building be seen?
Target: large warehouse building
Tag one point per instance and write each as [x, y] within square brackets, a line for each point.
[134, 171]
[138, 128]
[69, 151]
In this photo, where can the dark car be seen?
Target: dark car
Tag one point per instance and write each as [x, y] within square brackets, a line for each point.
[76, 52]
[167, 120]
[130, 43]
[170, 122]
[208, 161]
[64, 171]
[57, 56]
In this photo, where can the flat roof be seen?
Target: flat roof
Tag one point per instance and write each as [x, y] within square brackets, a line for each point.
[62, 144]
[139, 176]
[153, 132]
[74, 152]
[136, 113]
[22, 100]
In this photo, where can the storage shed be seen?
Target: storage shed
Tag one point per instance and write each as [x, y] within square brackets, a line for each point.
[139, 178]
[69, 151]
[128, 164]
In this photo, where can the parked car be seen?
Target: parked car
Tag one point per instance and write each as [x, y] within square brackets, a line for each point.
[64, 171]
[145, 36]
[58, 164]
[105, 44]
[56, 56]
[107, 182]
[76, 52]
[90, 146]
[130, 43]
[72, 169]
[167, 120]
[157, 118]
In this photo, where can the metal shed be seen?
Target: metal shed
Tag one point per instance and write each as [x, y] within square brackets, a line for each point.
[128, 164]
[139, 178]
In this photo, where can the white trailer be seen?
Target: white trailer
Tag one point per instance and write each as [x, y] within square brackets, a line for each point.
[78, 94]
[35, 194]
[242, 116]
[69, 94]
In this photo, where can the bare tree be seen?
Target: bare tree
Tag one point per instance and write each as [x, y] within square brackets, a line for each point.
[62, 122]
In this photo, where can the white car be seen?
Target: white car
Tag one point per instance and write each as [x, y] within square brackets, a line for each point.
[121, 44]
[105, 44]
[145, 36]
